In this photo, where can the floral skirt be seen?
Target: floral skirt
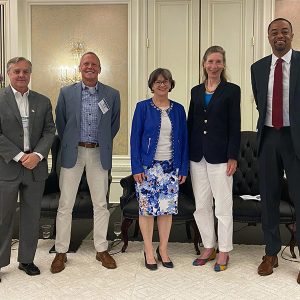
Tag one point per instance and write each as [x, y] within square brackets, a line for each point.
[158, 193]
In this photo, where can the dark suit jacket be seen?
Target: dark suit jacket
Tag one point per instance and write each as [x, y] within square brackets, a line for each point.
[214, 132]
[260, 72]
[41, 133]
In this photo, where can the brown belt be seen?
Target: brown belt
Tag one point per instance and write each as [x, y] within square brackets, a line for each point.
[88, 145]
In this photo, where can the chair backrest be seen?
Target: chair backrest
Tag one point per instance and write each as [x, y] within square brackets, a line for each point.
[51, 184]
[245, 179]
[187, 188]
[54, 152]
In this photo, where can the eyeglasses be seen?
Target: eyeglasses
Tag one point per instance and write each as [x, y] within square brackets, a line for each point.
[159, 83]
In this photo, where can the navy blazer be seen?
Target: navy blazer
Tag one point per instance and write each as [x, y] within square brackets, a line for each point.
[215, 132]
[260, 72]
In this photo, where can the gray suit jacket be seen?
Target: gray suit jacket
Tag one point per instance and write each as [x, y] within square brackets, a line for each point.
[41, 133]
[259, 78]
[68, 113]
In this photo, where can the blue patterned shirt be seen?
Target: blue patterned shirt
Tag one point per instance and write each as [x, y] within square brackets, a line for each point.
[89, 114]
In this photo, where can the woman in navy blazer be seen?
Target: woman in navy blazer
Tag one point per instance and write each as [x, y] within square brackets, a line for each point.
[159, 162]
[214, 140]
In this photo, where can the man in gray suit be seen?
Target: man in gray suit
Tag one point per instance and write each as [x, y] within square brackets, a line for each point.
[276, 89]
[87, 120]
[26, 134]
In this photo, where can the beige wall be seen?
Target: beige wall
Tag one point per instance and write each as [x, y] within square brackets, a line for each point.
[289, 9]
[103, 29]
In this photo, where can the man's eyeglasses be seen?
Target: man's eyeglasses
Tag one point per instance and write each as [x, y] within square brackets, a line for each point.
[159, 83]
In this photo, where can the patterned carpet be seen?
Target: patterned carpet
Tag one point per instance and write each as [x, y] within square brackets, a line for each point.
[85, 278]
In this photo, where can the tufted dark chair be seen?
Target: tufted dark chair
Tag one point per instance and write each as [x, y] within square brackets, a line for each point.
[83, 207]
[246, 182]
[130, 209]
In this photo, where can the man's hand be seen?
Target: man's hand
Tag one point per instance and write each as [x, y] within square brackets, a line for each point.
[30, 161]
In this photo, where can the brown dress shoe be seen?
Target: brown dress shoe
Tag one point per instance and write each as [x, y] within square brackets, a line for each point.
[58, 263]
[267, 265]
[298, 279]
[107, 261]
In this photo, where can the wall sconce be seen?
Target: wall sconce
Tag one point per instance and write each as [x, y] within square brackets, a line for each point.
[78, 48]
[70, 74]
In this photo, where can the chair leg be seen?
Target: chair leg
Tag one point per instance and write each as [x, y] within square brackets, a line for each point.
[136, 229]
[124, 230]
[197, 236]
[54, 230]
[292, 229]
[188, 229]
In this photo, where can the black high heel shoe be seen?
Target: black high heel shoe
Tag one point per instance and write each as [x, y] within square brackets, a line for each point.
[151, 267]
[166, 264]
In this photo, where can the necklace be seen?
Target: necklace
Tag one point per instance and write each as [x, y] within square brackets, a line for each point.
[211, 90]
[161, 108]
[159, 105]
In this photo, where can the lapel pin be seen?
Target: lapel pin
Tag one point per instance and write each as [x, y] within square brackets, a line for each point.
[32, 110]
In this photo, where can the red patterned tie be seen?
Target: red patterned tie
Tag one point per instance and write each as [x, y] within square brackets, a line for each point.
[277, 114]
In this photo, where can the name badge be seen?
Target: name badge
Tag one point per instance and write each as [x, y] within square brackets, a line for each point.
[103, 106]
[25, 122]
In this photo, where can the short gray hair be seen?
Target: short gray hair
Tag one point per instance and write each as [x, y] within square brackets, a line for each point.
[17, 59]
[90, 53]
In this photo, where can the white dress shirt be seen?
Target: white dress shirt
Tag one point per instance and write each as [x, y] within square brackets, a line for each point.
[286, 66]
[23, 105]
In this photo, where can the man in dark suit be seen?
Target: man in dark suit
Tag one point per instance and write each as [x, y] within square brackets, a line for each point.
[26, 134]
[87, 120]
[276, 89]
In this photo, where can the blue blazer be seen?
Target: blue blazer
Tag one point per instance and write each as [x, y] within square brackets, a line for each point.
[68, 113]
[145, 134]
[215, 131]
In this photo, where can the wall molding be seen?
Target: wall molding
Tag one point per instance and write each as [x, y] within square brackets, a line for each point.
[139, 56]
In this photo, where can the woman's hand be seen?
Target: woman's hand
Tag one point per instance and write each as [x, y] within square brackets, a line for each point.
[181, 179]
[139, 178]
[231, 167]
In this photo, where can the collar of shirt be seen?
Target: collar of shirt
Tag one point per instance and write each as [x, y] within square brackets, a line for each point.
[16, 93]
[287, 57]
[92, 90]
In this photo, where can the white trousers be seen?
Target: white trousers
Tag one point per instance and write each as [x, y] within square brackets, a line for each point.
[210, 181]
[97, 178]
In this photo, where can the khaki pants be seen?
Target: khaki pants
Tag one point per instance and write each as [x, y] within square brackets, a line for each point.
[97, 178]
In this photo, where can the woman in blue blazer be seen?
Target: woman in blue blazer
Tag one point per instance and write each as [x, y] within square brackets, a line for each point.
[214, 140]
[159, 162]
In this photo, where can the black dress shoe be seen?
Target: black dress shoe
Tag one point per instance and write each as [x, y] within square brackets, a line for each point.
[166, 264]
[151, 267]
[30, 269]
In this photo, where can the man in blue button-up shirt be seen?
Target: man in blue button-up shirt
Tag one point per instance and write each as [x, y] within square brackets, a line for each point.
[87, 119]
